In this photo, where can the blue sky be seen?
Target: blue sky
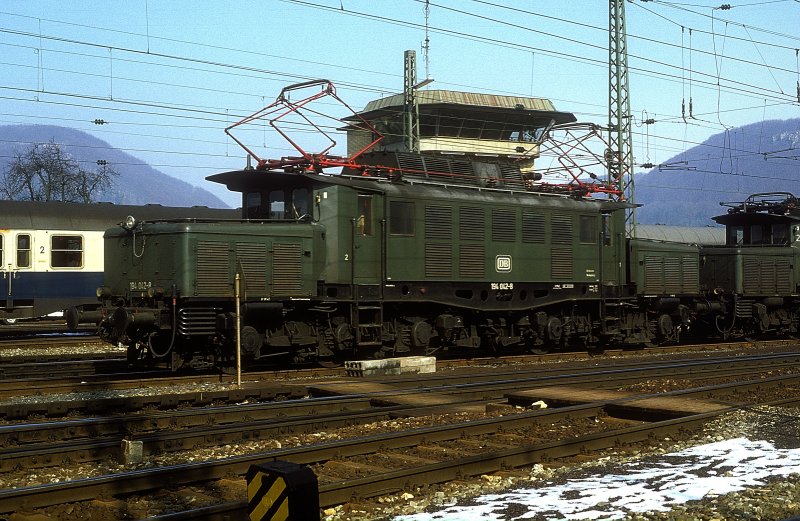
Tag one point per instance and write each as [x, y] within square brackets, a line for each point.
[168, 77]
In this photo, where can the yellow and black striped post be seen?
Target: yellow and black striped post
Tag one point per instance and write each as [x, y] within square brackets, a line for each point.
[281, 490]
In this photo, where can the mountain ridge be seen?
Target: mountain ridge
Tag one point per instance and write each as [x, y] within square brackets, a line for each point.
[688, 188]
[137, 183]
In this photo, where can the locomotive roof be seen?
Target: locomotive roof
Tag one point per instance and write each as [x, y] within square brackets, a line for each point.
[255, 180]
[763, 208]
[55, 215]
[707, 235]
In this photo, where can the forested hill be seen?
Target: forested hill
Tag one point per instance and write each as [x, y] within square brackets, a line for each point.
[687, 189]
[137, 182]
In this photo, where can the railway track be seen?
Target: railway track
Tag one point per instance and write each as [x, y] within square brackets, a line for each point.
[97, 394]
[349, 467]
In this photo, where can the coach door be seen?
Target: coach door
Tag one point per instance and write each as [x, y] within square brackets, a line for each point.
[17, 266]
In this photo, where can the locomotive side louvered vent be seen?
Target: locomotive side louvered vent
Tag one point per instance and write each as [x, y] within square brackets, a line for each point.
[533, 228]
[561, 267]
[672, 275]
[438, 241]
[439, 261]
[471, 226]
[213, 274]
[653, 274]
[412, 163]
[439, 222]
[504, 225]
[561, 229]
[472, 260]
[765, 276]
[287, 270]
[510, 172]
[251, 260]
[691, 275]
[462, 172]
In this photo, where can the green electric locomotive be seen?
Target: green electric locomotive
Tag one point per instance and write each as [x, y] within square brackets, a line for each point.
[404, 251]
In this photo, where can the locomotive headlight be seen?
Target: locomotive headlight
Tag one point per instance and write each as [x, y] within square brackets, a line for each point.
[130, 223]
[103, 292]
[154, 292]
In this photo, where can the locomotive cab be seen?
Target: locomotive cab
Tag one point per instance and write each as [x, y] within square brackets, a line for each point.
[755, 276]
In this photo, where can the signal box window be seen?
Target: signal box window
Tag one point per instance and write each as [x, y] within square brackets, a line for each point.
[66, 251]
[364, 220]
[401, 218]
[23, 250]
[588, 229]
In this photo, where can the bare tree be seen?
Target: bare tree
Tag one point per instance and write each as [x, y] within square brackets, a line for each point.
[44, 172]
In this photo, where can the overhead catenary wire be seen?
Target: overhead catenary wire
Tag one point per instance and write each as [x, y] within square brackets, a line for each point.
[176, 108]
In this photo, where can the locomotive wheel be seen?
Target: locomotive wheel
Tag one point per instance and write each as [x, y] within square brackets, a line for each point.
[554, 329]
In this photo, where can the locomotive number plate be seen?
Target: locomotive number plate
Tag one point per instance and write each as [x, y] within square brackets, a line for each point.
[140, 285]
[502, 285]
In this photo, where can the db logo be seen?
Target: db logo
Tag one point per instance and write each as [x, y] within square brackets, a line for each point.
[502, 263]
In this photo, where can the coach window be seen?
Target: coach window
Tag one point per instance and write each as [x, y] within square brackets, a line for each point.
[588, 229]
[66, 251]
[23, 250]
[401, 218]
[364, 219]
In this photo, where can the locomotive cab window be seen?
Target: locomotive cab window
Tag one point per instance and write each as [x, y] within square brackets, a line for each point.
[759, 234]
[735, 235]
[23, 250]
[66, 251]
[364, 218]
[277, 204]
[299, 203]
[401, 218]
[780, 234]
[253, 205]
[588, 229]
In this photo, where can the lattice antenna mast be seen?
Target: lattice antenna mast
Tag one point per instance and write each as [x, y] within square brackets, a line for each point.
[410, 108]
[620, 156]
[426, 46]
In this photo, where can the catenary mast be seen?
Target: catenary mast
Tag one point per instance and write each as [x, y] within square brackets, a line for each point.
[620, 154]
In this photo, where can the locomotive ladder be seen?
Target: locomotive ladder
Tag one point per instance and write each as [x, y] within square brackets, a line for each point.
[367, 320]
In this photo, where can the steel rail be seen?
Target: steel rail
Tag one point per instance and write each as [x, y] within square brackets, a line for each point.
[262, 421]
[524, 376]
[140, 481]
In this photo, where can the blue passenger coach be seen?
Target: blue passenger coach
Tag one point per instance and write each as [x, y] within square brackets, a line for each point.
[51, 254]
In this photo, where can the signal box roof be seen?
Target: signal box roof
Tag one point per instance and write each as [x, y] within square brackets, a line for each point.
[509, 108]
